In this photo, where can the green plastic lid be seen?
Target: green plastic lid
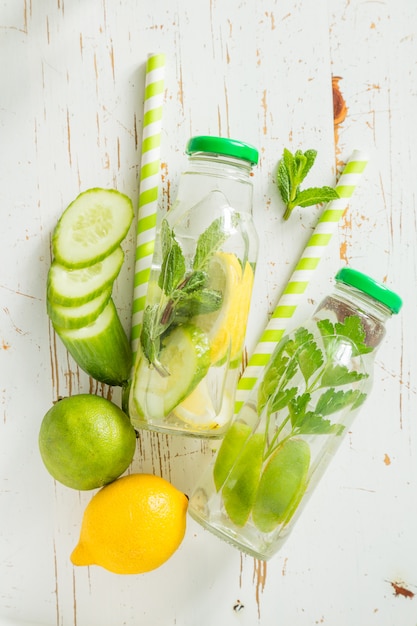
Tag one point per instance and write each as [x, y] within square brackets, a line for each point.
[370, 287]
[220, 145]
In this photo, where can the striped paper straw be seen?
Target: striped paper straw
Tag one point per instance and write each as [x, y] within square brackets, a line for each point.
[149, 186]
[301, 277]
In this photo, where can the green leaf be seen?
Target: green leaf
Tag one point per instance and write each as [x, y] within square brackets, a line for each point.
[173, 261]
[209, 241]
[196, 303]
[310, 359]
[353, 329]
[149, 337]
[335, 375]
[315, 195]
[332, 401]
[283, 181]
[281, 399]
[314, 424]
[310, 156]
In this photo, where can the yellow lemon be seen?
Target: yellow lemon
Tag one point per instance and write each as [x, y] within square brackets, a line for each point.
[86, 441]
[133, 525]
[226, 328]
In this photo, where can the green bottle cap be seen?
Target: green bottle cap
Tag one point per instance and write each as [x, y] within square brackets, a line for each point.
[220, 145]
[371, 287]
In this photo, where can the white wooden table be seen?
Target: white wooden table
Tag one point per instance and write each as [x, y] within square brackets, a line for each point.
[71, 109]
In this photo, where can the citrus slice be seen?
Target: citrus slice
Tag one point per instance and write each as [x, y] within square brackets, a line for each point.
[232, 444]
[198, 411]
[240, 488]
[226, 327]
[282, 485]
[91, 227]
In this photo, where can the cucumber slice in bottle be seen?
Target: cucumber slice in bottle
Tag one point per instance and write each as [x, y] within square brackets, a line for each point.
[91, 227]
[185, 354]
[101, 349]
[74, 287]
[78, 316]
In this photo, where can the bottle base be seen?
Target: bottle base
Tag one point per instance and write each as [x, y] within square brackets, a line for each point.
[233, 538]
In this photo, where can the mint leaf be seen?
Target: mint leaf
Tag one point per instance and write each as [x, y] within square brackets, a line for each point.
[173, 261]
[292, 170]
[315, 195]
[210, 240]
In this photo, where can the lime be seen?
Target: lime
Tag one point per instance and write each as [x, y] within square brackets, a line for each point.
[133, 525]
[282, 485]
[232, 444]
[240, 487]
[226, 327]
[86, 441]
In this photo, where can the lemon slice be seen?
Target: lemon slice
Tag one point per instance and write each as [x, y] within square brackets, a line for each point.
[198, 411]
[226, 328]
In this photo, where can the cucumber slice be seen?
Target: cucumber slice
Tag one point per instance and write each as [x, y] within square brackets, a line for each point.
[75, 287]
[185, 354]
[78, 316]
[91, 227]
[101, 349]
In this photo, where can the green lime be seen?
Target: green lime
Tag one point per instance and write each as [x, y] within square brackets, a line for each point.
[240, 487]
[232, 444]
[282, 485]
[86, 441]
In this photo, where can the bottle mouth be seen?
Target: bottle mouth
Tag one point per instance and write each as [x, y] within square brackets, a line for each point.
[370, 287]
[223, 146]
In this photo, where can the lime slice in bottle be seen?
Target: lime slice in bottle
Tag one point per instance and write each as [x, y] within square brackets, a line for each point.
[240, 488]
[233, 442]
[282, 485]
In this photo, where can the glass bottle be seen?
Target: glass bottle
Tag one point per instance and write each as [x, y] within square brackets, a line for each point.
[198, 296]
[285, 435]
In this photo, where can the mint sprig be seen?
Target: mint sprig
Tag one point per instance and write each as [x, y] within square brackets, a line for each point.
[184, 292]
[292, 170]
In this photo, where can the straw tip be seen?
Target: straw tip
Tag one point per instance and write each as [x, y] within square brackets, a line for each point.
[359, 155]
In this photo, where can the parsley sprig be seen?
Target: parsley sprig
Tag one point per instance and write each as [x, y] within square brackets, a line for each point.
[184, 292]
[292, 170]
[308, 406]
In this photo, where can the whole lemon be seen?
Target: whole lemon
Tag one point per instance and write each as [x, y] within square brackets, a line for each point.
[133, 525]
[86, 441]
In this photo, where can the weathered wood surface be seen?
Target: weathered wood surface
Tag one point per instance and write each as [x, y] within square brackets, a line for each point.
[72, 83]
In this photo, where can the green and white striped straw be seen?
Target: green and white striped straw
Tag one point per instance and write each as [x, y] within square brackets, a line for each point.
[302, 275]
[149, 186]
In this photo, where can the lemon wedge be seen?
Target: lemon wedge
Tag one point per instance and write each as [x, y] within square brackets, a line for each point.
[226, 328]
[198, 410]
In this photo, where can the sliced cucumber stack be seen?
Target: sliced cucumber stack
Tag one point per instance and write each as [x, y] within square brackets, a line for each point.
[88, 258]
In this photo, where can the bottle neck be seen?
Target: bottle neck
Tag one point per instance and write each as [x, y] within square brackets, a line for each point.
[347, 301]
[220, 165]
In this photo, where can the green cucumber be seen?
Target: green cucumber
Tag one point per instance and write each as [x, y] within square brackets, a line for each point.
[72, 287]
[185, 355]
[91, 227]
[101, 349]
[78, 316]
